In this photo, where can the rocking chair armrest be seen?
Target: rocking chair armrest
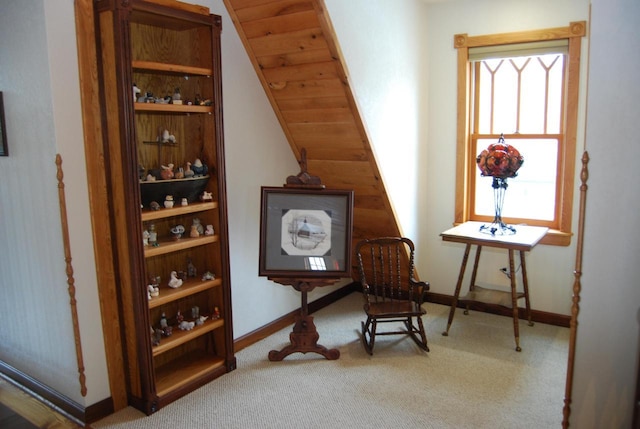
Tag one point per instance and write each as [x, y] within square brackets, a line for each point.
[419, 289]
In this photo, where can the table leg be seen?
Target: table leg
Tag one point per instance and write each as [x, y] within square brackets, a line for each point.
[474, 272]
[514, 300]
[525, 285]
[456, 294]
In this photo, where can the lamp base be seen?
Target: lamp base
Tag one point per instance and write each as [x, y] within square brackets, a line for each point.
[497, 227]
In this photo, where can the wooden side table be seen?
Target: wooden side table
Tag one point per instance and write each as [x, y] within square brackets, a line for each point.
[525, 239]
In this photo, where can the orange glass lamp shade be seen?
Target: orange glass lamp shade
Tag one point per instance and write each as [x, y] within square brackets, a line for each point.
[500, 161]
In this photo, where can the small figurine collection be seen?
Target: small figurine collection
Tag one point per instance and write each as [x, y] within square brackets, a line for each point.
[167, 185]
[169, 172]
[165, 329]
[175, 98]
[176, 279]
[150, 235]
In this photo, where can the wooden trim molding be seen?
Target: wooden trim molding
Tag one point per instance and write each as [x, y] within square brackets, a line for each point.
[536, 315]
[289, 318]
[575, 29]
[70, 280]
[577, 287]
[53, 399]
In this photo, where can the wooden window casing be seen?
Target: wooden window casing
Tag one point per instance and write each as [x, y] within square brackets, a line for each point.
[560, 233]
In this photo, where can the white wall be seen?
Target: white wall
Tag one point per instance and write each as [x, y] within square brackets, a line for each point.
[39, 78]
[383, 44]
[608, 323]
[550, 268]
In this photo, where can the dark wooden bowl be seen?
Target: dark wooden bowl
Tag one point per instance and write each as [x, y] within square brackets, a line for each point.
[157, 190]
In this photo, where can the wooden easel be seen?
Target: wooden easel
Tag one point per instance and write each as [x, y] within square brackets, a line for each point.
[304, 337]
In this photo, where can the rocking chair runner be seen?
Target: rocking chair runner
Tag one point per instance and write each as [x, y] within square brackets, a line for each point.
[391, 293]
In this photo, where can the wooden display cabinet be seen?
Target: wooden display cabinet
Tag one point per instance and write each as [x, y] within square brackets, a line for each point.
[158, 46]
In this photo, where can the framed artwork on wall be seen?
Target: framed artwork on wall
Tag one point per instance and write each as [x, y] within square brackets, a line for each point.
[305, 233]
[4, 151]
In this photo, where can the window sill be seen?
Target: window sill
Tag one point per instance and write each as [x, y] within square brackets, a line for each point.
[555, 237]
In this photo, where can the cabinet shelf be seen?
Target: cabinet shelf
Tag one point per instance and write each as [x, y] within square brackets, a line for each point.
[170, 246]
[188, 368]
[171, 108]
[178, 69]
[163, 213]
[189, 287]
[179, 337]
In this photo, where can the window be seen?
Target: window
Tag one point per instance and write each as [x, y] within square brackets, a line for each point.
[523, 85]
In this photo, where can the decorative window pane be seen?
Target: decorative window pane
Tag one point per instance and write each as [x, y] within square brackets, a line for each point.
[532, 193]
[521, 97]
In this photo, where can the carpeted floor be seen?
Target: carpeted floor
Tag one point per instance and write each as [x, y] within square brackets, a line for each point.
[471, 379]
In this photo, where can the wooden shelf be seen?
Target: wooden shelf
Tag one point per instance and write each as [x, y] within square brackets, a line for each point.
[163, 213]
[188, 368]
[189, 287]
[170, 246]
[179, 337]
[171, 108]
[491, 296]
[156, 67]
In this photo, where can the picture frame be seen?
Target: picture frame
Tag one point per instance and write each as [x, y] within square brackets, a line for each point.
[305, 233]
[4, 150]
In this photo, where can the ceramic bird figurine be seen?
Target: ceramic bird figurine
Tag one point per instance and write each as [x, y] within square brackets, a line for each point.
[199, 169]
[167, 172]
[175, 282]
[188, 172]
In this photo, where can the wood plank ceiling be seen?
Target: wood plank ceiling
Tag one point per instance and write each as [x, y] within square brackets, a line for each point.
[294, 51]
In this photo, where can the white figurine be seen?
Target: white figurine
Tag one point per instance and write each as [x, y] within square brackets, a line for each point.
[200, 320]
[136, 92]
[174, 281]
[186, 326]
[209, 230]
[153, 291]
[208, 276]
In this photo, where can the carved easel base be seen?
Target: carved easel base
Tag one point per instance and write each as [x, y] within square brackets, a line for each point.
[304, 339]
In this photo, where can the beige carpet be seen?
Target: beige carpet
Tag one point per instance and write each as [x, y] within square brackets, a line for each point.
[471, 379]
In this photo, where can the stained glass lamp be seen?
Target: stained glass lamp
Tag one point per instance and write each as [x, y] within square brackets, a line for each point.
[500, 161]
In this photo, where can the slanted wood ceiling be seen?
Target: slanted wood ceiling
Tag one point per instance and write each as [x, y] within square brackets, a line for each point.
[294, 51]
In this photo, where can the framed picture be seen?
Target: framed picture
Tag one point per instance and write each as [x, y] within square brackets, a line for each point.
[305, 233]
[4, 151]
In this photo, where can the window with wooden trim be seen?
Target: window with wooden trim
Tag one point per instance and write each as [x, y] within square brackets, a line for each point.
[524, 86]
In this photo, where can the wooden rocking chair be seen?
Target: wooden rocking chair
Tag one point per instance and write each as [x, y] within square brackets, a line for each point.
[391, 293]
